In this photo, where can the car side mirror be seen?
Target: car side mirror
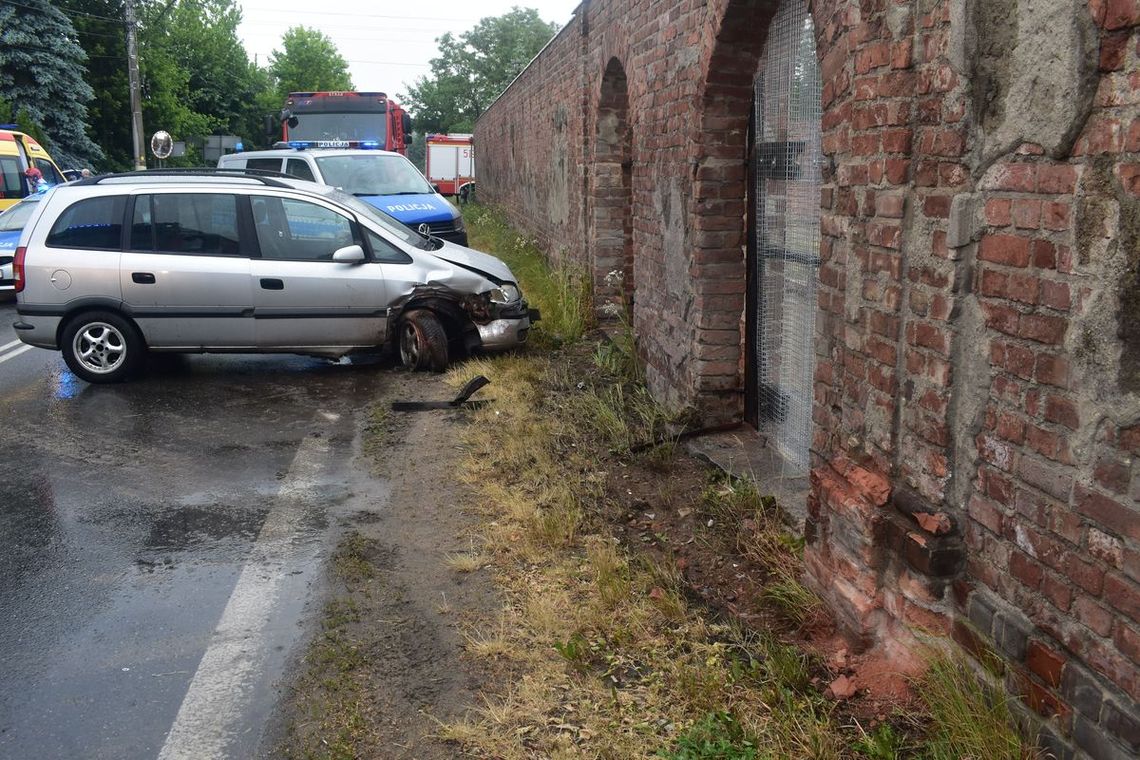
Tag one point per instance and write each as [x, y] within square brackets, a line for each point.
[350, 254]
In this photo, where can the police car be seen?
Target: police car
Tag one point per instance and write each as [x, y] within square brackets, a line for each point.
[12, 223]
[381, 178]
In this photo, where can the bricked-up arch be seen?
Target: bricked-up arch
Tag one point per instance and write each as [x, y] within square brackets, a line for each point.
[719, 198]
[612, 190]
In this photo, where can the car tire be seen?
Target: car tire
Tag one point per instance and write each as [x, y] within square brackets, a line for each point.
[423, 342]
[102, 347]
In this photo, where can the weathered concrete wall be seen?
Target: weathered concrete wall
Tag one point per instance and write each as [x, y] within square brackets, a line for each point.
[977, 389]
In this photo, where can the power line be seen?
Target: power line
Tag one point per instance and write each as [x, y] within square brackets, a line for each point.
[76, 13]
[355, 15]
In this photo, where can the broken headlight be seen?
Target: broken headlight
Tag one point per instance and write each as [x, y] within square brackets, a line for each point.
[505, 293]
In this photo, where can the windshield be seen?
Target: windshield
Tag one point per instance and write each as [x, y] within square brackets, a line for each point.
[373, 174]
[385, 222]
[340, 126]
[16, 217]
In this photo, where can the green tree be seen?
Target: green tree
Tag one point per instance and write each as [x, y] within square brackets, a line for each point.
[99, 26]
[41, 74]
[22, 121]
[308, 62]
[474, 68]
[197, 78]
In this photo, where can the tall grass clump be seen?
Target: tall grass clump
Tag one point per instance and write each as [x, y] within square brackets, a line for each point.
[562, 294]
[970, 717]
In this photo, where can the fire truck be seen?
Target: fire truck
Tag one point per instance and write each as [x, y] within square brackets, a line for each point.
[450, 164]
[336, 117]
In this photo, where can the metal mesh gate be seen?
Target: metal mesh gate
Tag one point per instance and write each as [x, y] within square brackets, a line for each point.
[786, 155]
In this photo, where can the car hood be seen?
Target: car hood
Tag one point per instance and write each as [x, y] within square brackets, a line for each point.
[412, 209]
[476, 261]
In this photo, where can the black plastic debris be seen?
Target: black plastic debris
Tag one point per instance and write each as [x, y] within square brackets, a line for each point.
[461, 401]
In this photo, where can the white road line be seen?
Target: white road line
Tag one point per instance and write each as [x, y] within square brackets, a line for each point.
[6, 346]
[214, 706]
[14, 354]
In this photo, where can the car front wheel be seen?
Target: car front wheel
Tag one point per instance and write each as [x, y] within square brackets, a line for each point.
[423, 342]
[102, 347]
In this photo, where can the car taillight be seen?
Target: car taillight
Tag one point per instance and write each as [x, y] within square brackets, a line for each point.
[18, 268]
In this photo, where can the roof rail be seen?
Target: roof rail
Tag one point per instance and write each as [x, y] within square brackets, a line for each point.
[266, 176]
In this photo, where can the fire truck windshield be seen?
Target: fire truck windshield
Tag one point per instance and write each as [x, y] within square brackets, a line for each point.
[340, 126]
[373, 174]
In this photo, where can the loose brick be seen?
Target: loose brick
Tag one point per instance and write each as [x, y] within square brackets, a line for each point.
[1107, 512]
[1026, 569]
[1095, 616]
[1005, 249]
[1123, 595]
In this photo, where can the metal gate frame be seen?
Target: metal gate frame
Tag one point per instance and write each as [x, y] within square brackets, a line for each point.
[784, 235]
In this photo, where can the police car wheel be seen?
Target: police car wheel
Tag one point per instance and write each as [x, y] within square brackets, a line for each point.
[423, 342]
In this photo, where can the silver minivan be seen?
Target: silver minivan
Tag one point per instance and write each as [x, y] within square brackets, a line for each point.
[214, 261]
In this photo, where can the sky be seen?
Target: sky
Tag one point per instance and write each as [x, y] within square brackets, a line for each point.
[388, 45]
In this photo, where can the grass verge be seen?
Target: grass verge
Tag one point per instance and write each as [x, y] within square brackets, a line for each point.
[335, 717]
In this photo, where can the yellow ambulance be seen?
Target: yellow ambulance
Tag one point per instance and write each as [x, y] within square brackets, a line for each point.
[18, 152]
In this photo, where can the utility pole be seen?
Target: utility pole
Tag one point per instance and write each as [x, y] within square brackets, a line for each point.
[136, 95]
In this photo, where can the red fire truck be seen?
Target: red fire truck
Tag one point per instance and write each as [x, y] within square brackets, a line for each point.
[356, 117]
[450, 164]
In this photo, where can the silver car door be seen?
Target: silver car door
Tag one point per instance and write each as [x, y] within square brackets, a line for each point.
[302, 298]
[185, 276]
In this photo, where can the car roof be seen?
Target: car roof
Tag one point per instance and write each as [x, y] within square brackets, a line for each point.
[316, 152]
[194, 179]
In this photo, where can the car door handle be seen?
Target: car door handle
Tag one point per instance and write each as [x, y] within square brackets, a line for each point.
[143, 278]
[272, 283]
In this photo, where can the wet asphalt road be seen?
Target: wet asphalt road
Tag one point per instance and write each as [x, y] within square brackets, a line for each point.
[159, 543]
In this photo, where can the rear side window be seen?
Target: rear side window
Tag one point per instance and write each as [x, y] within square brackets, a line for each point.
[94, 223]
[265, 164]
[10, 184]
[193, 223]
[299, 169]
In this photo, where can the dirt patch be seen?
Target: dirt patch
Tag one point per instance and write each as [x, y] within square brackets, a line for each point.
[387, 663]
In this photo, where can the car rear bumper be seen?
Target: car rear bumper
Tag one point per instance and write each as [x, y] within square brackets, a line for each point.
[38, 331]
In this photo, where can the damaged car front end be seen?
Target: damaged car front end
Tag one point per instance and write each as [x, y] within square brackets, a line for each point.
[448, 294]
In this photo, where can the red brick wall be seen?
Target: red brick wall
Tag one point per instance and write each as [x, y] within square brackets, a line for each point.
[977, 392]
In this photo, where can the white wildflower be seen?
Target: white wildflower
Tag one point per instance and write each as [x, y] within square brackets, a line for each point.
[611, 310]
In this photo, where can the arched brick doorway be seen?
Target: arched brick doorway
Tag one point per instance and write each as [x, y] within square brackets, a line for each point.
[613, 200]
[784, 235]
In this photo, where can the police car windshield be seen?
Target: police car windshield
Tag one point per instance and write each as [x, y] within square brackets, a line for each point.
[391, 225]
[373, 174]
[16, 217]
